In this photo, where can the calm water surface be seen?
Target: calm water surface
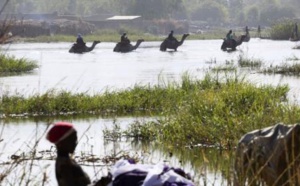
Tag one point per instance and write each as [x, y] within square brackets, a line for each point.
[103, 69]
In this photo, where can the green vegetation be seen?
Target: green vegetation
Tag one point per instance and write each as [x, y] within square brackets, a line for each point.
[226, 68]
[246, 62]
[107, 35]
[219, 112]
[216, 111]
[213, 12]
[9, 64]
[285, 69]
[282, 30]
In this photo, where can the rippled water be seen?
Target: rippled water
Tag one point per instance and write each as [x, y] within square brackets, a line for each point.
[102, 68]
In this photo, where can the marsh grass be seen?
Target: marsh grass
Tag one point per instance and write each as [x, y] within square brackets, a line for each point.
[10, 64]
[215, 110]
[247, 62]
[225, 68]
[218, 111]
[285, 69]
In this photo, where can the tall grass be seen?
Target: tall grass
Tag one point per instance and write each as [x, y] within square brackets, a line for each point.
[9, 64]
[282, 30]
[218, 112]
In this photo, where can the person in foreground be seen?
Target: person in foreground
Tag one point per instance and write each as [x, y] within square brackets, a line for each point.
[67, 171]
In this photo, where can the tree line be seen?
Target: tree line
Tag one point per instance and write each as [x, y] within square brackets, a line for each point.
[215, 12]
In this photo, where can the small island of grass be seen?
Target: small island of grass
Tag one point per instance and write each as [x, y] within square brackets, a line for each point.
[11, 65]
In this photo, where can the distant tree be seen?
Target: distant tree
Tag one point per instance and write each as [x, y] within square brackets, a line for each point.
[150, 9]
[273, 13]
[177, 10]
[212, 12]
[282, 29]
[252, 16]
[236, 8]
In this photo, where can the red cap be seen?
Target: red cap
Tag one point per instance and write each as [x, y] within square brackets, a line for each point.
[60, 131]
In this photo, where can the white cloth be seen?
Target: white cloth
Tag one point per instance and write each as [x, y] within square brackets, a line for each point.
[155, 175]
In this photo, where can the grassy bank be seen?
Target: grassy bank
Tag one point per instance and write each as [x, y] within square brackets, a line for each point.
[10, 65]
[107, 35]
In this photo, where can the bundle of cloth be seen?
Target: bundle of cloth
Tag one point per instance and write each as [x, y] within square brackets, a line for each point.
[127, 172]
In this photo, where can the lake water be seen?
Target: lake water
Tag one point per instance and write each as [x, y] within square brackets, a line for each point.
[103, 69]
